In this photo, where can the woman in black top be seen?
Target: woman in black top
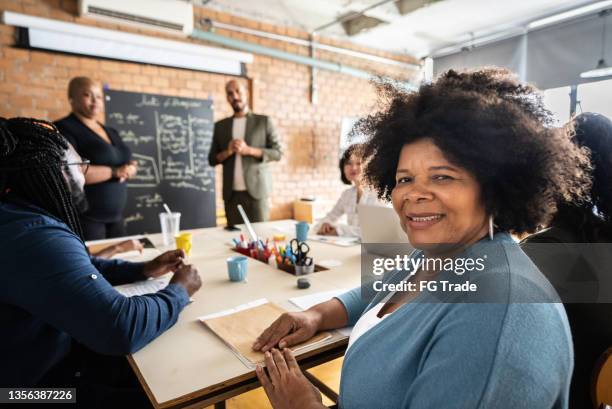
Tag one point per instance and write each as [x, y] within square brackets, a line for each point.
[575, 268]
[110, 158]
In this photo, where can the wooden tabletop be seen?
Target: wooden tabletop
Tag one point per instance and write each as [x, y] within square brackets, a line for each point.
[188, 361]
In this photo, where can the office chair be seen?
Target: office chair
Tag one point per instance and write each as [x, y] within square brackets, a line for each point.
[601, 382]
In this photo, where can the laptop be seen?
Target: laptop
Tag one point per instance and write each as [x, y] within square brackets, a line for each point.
[381, 232]
[380, 224]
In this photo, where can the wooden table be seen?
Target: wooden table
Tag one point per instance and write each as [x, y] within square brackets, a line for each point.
[188, 366]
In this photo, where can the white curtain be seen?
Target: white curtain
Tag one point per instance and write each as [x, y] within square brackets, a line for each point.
[550, 57]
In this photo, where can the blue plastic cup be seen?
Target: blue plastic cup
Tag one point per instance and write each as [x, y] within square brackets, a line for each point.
[237, 268]
[301, 231]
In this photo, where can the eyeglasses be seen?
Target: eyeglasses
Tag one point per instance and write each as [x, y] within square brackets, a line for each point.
[84, 164]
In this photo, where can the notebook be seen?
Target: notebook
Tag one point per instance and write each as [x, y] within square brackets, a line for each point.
[239, 327]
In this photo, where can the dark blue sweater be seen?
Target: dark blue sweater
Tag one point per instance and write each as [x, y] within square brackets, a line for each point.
[51, 290]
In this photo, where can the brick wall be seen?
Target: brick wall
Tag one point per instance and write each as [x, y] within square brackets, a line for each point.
[33, 83]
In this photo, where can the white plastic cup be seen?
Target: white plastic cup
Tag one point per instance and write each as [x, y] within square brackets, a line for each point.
[170, 226]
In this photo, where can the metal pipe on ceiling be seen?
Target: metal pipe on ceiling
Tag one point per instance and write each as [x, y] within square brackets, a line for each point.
[306, 43]
[283, 55]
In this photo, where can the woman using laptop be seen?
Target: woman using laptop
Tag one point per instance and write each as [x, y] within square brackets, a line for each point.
[350, 174]
[465, 160]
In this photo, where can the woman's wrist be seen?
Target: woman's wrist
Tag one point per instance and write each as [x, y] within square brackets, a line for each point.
[316, 317]
[328, 315]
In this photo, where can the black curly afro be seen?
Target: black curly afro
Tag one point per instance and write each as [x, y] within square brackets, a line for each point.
[493, 126]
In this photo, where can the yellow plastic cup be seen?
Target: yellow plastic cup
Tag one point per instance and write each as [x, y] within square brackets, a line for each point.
[184, 241]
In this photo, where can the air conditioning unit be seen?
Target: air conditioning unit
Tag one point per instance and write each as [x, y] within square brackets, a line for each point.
[173, 16]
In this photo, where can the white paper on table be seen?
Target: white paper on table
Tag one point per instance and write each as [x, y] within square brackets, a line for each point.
[149, 286]
[342, 241]
[229, 311]
[289, 231]
[306, 301]
[144, 287]
[329, 263]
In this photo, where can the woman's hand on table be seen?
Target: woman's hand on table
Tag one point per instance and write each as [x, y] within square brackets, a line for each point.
[327, 229]
[289, 329]
[285, 384]
[164, 263]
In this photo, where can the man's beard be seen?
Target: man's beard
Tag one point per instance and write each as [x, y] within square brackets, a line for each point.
[237, 107]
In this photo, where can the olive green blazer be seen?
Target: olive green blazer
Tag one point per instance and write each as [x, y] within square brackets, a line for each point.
[260, 133]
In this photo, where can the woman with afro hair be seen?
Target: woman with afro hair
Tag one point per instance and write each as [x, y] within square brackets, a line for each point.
[471, 322]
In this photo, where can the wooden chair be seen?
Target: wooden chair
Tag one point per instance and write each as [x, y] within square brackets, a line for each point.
[325, 390]
[601, 381]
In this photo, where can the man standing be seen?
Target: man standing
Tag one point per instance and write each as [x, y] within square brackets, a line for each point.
[244, 143]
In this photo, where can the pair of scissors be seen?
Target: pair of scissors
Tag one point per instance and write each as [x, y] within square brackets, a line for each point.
[300, 250]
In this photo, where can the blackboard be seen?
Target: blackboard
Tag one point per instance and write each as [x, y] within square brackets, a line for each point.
[170, 138]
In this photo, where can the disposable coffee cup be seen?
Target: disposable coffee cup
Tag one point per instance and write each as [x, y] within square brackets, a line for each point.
[170, 226]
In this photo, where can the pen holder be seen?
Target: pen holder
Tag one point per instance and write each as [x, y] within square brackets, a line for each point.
[261, 256]
[243, 251]
[303, 270]
[289, 268]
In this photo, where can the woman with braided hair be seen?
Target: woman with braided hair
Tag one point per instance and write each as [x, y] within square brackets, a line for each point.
[28, 170]
[58, 308]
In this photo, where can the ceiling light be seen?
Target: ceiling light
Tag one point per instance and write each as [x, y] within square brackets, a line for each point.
[602, 69]
[53, 35]
[408, 6]
[355, 23]
[546, 21]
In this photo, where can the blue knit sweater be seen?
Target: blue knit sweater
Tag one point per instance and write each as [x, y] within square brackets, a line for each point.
[512, 352]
